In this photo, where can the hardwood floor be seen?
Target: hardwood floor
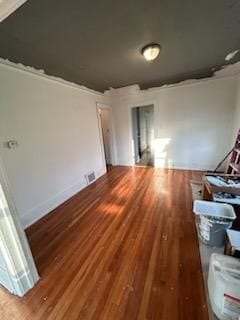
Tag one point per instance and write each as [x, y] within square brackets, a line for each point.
[124, 248]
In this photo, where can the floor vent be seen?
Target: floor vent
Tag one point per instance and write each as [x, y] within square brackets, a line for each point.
[90, 177]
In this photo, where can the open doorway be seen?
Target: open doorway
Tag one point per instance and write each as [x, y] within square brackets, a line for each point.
[105, 119]
[143, 135]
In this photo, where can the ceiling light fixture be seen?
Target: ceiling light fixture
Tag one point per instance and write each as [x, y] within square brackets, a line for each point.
[151, 51]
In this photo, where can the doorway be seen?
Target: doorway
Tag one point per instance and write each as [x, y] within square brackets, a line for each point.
[105, 118]
[143, 135]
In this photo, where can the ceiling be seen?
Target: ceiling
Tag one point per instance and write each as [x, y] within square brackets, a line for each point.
[98, 43]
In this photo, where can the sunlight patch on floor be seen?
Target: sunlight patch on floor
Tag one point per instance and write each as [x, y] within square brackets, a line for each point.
[111, 209]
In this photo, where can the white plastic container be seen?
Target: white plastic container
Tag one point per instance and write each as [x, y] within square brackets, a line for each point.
[215, 219]
[214, 209]
[224, 286]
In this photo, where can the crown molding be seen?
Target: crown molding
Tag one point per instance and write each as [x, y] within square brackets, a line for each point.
[7, 7]
[19, 67]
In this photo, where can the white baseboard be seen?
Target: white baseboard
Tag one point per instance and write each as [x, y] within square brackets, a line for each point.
[22, 283]
[177, 166]
[18, 284]
[42, 209]
[194, 167]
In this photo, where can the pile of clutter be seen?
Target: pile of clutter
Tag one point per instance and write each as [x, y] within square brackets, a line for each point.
[214, 221]
[231, 187]
[223, 181]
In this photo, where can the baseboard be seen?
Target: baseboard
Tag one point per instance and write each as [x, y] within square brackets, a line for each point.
[188, 167]
[177, 166]
[36, 213]
[22, 283]
[193, 166]
[18, 284]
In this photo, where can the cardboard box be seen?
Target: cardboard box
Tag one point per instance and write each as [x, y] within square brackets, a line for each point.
[232, 247]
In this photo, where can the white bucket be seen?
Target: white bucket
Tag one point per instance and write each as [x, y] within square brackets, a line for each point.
[214, 209]
[215, 219]
[213, 232]
[224, 286]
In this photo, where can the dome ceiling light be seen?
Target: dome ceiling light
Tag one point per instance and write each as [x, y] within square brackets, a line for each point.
[151, 51]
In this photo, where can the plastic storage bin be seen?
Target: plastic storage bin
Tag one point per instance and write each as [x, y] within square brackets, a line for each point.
[224, 286]
[214, 219]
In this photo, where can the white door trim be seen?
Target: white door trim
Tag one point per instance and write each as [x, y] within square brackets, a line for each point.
[130, 107]
[16, 252]
[112, 133]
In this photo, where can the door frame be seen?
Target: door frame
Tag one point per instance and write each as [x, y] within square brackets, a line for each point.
[21, 268]
[131, 138]
[101, 106]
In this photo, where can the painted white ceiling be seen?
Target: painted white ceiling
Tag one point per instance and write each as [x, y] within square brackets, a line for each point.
[9, 6]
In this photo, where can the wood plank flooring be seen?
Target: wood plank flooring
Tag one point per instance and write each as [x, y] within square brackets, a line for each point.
[124, 248]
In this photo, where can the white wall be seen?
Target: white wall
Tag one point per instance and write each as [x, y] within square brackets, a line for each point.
[57, 131]
[56, 127]
[193, 122]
